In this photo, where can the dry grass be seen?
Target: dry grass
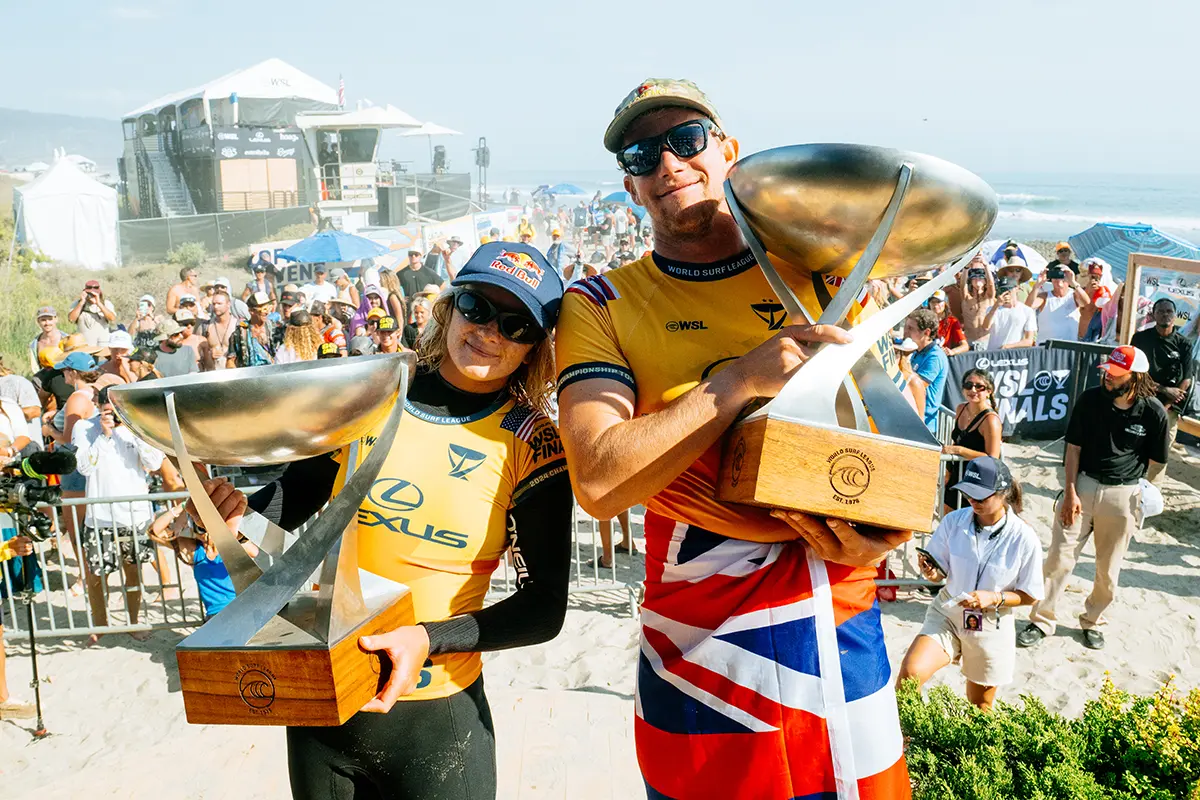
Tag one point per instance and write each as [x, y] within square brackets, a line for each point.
[23, 292]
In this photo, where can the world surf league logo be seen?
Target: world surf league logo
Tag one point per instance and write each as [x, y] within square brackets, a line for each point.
[849, 474]
[520, 266]
[256, 687]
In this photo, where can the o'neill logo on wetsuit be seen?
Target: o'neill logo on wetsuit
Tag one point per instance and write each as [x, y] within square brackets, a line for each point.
[849, 474]
[256, 687]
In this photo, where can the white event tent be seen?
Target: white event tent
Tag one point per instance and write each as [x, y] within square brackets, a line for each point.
[69, 216]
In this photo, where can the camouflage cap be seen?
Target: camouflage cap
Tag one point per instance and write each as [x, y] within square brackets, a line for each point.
[651, 94]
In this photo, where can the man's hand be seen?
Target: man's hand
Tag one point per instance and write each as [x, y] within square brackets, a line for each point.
[407, 648]
[1173, 395]
[108, 422]
[764, 370]
[842, 543]
[1071, 507]
[230, 503]
[20, 545]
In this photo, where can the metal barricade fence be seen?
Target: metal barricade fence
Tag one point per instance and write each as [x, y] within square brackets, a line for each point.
[157, 590]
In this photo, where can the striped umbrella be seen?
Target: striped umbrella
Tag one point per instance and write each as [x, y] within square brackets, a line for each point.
[1114, 241]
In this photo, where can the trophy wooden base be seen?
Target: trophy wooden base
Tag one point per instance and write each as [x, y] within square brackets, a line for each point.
[285, 675]
[831, 472]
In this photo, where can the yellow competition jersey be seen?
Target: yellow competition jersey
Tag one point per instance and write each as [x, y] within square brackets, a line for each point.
[655, 325]
[436, 518]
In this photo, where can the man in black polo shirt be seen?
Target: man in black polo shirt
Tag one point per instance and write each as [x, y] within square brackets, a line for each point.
[1117, 431]
[1171, 367]
[416, 276]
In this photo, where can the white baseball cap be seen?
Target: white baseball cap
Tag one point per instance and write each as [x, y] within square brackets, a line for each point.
[120, 339]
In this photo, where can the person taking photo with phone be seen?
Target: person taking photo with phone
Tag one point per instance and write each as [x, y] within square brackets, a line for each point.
[93, 314]
[1059, 305]
[1010, 324]
[991, 562]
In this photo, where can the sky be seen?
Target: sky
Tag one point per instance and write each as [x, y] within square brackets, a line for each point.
[1041, 86]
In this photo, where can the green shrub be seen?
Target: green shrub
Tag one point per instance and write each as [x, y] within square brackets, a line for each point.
[188, 254]
[300, 230]
[1120, 747]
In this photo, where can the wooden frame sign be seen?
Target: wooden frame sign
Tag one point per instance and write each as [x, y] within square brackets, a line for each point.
[1185, 293]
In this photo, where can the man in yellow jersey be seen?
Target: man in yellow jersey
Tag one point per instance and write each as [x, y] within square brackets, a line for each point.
[762, 670]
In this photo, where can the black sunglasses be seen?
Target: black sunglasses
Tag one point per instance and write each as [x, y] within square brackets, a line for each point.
[979, 387]
[514, 326]
[686, 140]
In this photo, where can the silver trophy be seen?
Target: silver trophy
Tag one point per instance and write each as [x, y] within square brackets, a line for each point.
[283, 653]
[840, 439]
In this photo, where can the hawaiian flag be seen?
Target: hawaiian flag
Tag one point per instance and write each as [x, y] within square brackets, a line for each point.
[762, 674]
[341, 92]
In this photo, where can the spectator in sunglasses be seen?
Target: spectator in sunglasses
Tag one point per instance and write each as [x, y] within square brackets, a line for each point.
[977, 428]
[656, 360]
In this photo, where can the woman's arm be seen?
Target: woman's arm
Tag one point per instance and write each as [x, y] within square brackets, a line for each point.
[540, 534]
[299, 493]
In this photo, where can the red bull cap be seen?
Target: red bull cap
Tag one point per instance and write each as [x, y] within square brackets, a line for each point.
[520, 269]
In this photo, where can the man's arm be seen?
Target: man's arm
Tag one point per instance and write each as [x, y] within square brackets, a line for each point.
[76, 310]
[173, 299]
[1071, 505]
[631, 459]
[106, 308]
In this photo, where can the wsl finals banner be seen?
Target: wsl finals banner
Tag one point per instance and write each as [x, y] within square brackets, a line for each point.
[1034, 387]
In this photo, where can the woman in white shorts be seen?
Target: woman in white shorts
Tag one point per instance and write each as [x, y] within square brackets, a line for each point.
[991, 561]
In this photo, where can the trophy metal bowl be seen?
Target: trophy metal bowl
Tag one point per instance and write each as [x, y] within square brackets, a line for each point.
[279, 653]
[857, 212]
[816, 206]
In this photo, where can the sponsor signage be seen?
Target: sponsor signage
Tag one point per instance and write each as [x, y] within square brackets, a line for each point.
[257, 143]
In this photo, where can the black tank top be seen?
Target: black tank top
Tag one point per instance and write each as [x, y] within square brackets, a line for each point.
[971, 437]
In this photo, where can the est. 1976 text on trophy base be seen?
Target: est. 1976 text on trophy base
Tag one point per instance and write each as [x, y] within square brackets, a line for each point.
[832, 472]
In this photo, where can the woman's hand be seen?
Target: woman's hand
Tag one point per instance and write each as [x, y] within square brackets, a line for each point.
[842, 543]
[407, 648]
[20, 545]
[950, 449]
[981, 600]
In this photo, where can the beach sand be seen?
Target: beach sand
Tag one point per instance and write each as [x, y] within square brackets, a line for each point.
[564, 710]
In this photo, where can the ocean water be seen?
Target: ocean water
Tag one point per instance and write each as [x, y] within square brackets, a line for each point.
[1032, 205]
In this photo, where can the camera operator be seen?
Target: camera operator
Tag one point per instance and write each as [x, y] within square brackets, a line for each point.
[10, 708]
[991, 561]
[115, 463]
[93, 314]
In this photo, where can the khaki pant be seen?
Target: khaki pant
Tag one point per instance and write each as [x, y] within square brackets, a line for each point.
[1112, 514]
[1157, 472]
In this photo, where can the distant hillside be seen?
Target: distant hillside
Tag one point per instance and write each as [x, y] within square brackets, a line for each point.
[27, 136]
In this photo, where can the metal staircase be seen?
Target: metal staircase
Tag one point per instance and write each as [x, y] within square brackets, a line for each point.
[170, 194]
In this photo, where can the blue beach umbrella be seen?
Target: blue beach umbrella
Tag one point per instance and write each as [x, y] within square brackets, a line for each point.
[622, 197]
[1114, 241]
[565, 188]
[332, 246]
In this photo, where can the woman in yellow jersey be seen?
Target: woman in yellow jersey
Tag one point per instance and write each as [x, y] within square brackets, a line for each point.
[477, 470]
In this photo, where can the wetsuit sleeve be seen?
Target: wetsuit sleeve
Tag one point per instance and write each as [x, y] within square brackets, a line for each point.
[299, 493]
[586, 344]
[539, 534]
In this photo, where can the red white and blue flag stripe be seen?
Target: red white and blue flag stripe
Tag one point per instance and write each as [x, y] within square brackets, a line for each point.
[762, 674]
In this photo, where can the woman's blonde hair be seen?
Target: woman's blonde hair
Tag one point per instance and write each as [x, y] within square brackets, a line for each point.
[532, 384]
[303, 340]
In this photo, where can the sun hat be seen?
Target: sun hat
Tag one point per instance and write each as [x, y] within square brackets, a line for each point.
[120, 339]
[1124, 360]
[983, 477]
[520, 269]
[167, 329]
[77, 360]
[650, 95]
[1019, 263]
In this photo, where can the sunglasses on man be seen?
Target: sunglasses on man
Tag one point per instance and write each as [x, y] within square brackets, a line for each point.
[514, 326]
[685, 140]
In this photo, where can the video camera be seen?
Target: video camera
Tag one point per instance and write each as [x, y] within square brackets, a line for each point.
[23, 488]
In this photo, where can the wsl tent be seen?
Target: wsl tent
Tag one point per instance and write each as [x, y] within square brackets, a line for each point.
[69, 216]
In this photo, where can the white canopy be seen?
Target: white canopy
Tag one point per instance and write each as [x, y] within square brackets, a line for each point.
[371, 117]
[69, 216]
[272, 79]
[432, 129]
